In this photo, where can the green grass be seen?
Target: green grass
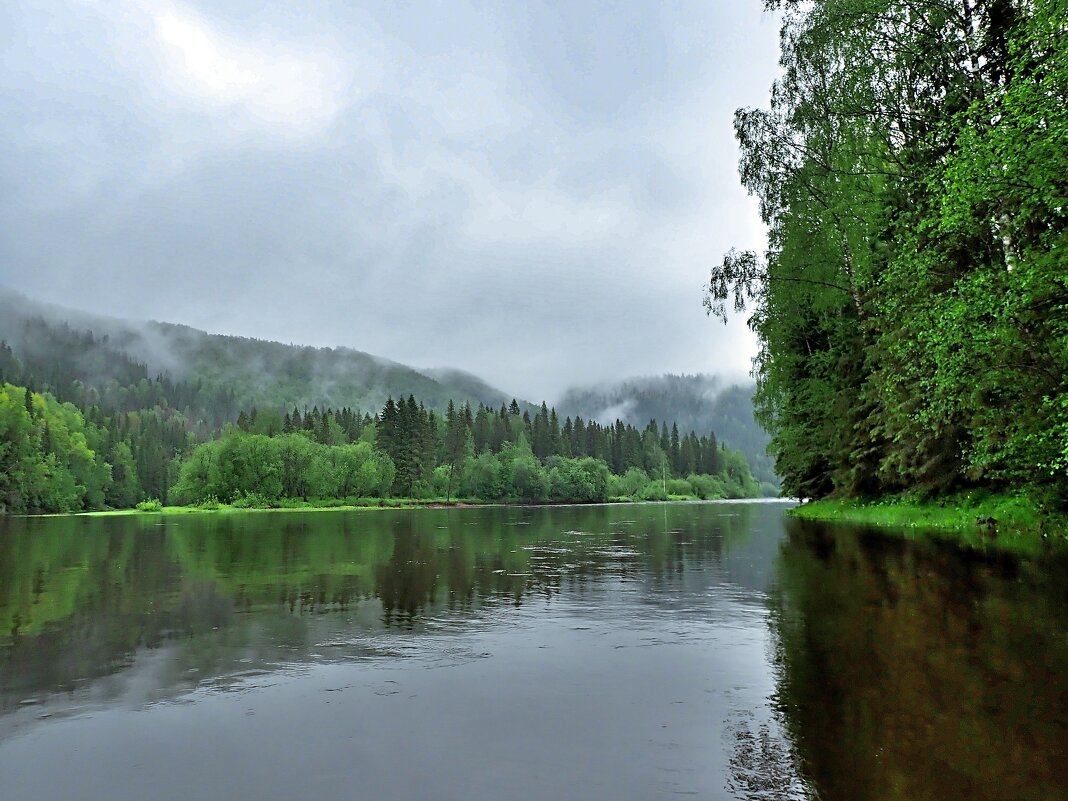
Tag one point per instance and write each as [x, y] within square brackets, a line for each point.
[295, 506]
[322, 505]
[1005, 522]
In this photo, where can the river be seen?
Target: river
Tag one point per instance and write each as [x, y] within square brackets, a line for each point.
[711, 651]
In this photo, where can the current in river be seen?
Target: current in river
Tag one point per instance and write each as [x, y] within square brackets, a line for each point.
[654, 651]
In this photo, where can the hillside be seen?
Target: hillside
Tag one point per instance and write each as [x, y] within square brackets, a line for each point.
[57, 345]
[695, 402]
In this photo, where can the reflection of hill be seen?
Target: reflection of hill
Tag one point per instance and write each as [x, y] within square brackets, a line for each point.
[84, 598]
[913, 672]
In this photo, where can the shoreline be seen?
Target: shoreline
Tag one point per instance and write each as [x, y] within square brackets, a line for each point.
[384, 505]
[1000, 522]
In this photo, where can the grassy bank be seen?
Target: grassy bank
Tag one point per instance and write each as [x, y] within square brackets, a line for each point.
[149, 507]
[292, 506]
[1007, 522]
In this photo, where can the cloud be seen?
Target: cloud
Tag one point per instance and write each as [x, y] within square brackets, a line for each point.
[266, 81]
[532, 192]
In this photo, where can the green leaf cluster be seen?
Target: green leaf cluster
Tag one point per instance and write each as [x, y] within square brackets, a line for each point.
[239, 466]
[48, 455]
[912, 305]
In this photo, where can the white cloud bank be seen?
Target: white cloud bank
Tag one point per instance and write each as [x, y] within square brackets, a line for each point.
[266, 81]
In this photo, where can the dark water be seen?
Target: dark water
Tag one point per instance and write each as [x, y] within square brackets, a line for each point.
[626, 652]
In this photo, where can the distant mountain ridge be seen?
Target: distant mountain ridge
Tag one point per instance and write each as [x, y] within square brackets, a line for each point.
[260, 373]
[231, 373]
[696, 402]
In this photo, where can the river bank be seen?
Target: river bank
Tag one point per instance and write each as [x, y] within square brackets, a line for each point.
[1004, 522]
[150, 508]
[288, 506]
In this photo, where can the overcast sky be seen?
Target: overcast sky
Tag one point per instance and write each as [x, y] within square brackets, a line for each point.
[532, 192]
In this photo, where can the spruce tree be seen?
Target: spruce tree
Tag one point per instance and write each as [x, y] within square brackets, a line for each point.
[675, 453]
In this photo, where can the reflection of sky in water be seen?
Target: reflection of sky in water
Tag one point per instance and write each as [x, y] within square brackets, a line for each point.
[620, 659]
[599, 652]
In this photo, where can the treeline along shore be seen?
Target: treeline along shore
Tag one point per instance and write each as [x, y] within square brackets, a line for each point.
[912, 304]
[55, 457]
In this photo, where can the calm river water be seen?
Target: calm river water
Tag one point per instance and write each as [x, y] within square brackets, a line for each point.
[712, 651]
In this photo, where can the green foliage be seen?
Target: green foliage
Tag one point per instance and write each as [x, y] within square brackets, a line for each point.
[526, 478]
[912, 305]
[250, 470]
[981, 519]
[131, 443]
[253, 500]
[256, 470]
[630, 484]
[679, 487]
[578, 480]
[708, 487]
[654, 491]
[150, 505]
[482, 477]
[48, 455]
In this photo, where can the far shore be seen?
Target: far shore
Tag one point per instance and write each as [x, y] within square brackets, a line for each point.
[384, 504]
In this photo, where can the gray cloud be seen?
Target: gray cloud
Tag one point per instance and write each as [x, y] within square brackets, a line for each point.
[532, 192]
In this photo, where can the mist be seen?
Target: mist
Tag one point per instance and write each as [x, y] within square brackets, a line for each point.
[530, 194]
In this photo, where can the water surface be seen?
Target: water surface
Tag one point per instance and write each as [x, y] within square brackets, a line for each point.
[714, 651]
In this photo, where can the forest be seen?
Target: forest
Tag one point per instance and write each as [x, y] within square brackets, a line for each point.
[912, 304]
[132, 445]
[219, 374]
[698, 402]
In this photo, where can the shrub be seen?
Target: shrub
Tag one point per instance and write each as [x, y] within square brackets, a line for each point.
[150, 505]
[707, 487]
[579, 481]
[654, 491]
[630, 484]
[679, 486]
[250, 500]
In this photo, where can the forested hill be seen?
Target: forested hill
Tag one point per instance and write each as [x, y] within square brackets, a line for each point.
[210, 375]
[696, 402]
[912, 305]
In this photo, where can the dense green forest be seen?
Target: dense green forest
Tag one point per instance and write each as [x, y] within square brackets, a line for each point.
[211, 375]
[695, 402]
[912, 305]
[129, 366]
[235, 422]
[410, 451]
[93, 450]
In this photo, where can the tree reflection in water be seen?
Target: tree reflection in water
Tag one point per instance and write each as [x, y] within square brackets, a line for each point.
[910, 670]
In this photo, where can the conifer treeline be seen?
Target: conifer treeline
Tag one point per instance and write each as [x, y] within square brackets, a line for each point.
[130, 420]
[418, 439]
[130, 438]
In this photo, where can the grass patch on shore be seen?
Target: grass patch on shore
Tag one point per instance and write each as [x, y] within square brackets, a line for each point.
[1007, 522]
[295, 506]
[347, 504]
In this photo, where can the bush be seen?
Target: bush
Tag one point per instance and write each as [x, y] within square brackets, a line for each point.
[654, 491]
[482, 478]
[150, 505]
[251, 500]
[679, 486]
[529, 482]
[286, 466]
[629, 485]
[707, 487]
[579, 481]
